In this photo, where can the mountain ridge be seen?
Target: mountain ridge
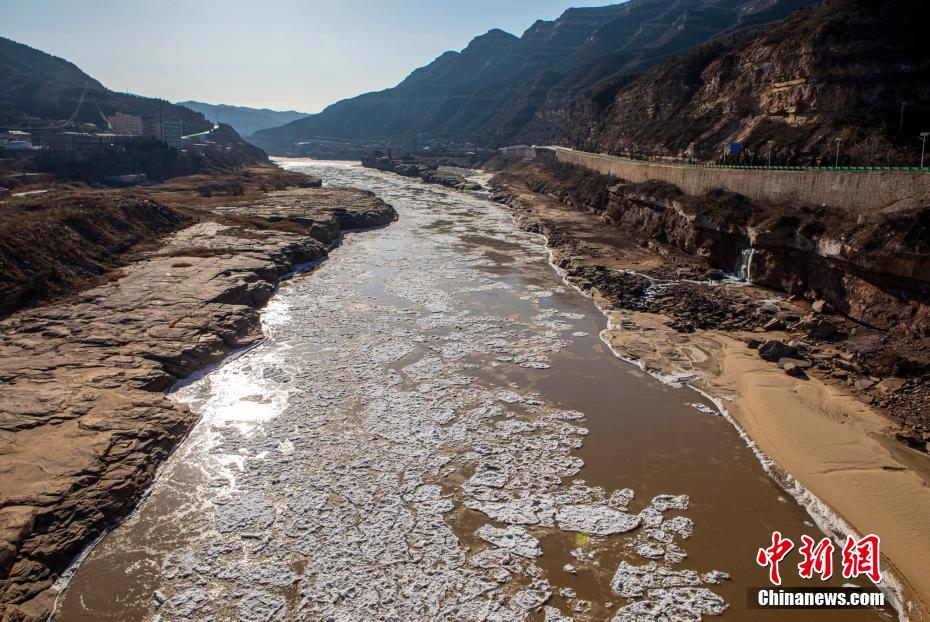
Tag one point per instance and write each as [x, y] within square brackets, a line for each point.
[244, 119]
[40, 89]
[487, 92]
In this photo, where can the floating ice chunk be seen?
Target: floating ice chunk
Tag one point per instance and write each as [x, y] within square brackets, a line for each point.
[555, 615]
[598, 520]
[259, 606]
[509, 397]
[579, 333]
[631, 581]
[567, 592]
[715, 577]
[572, 316]
[490, 478]
[704, 408]
[184, 604]
[682, 525]
[570, 569]
[530, 599]
[389, 351]
[246, 512]
[651, 517]
[490, 559]
[619, 499]
[663, 503]
[516, 540]
[513, 512]
[687, 603]
[650, 551]
[674, 554]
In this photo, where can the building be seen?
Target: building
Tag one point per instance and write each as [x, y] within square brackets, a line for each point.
[79, 145]
[14, 136]
[15, 140]
[126, 123]
[17, 145]
[167, 130]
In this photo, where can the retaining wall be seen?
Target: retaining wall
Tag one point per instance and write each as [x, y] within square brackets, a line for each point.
[855, 191]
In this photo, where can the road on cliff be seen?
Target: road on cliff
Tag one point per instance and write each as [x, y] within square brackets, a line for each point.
[433, 430]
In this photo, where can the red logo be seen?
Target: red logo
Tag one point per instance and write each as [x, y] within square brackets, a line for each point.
[817, 559]
[773, 555]
[860, 557]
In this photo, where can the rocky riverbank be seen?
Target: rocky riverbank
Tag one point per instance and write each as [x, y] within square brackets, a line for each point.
[857, 289]
[807, 384]
[449, 176]
[85, 422]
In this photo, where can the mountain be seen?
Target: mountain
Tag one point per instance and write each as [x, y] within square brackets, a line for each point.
[491, 90]
[840, 70]
[244, 120]
[40, 90]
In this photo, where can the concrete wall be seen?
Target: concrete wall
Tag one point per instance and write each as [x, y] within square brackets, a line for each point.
[518, 151]
[855, 191]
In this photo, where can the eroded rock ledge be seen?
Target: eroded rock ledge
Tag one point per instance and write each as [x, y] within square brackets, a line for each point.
[84, 422]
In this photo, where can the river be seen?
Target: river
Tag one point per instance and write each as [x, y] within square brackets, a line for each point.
[433, 430]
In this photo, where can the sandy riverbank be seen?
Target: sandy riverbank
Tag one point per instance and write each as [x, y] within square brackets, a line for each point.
[831, 451]
[84, 422]
[834, 453]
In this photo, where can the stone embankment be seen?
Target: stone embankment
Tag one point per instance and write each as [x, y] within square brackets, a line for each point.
[84, 420]
[855, 191]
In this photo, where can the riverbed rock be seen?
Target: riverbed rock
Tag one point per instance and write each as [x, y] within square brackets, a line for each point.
[774, 350]
[774, 324]
[821, 306]
[891, 385]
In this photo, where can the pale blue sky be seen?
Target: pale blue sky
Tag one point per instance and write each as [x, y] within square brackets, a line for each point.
[261, 53]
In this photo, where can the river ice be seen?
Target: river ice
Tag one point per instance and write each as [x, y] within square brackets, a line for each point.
[368, 421]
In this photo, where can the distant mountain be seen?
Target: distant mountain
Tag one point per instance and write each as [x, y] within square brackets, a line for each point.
[244, 120]
[39, 90]
[491, 90]
[840, 70]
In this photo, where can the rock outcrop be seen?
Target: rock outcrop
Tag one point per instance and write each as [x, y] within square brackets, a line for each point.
[84, 422]
[430, 173]
[848, 70]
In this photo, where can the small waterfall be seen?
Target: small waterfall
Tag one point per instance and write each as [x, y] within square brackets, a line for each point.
[744, 266]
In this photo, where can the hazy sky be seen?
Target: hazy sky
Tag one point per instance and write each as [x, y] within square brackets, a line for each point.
[261, 53]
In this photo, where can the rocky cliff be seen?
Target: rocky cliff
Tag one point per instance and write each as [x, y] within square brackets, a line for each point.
[854, 71]
[490, 90]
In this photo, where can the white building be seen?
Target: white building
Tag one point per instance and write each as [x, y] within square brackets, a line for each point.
[126, 123]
